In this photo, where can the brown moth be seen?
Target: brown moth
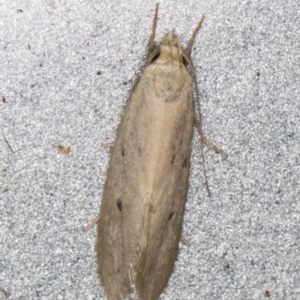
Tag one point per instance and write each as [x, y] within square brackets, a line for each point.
[141, 213]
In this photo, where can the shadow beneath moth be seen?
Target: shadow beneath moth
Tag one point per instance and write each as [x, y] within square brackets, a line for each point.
[141, 213]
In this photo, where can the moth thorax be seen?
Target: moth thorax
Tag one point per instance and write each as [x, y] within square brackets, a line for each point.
[170, 50]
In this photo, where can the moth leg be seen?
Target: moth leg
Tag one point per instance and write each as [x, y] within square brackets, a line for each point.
[192, 38]
[206, 142]
[91, 224]
[151, 44]
[108, 145]
[185, 241]
[214, 147]
[187, 55]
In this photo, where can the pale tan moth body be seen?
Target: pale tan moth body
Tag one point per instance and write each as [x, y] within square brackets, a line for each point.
[141, 213]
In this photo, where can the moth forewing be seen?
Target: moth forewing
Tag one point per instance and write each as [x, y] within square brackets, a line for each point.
[144, 195]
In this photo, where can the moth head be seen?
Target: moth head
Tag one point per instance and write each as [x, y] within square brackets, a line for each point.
[170, 50]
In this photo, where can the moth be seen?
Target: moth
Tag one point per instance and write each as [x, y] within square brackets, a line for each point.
[141, 212]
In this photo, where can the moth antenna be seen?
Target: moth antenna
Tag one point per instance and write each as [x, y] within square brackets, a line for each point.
[151, 44]
[191, 41]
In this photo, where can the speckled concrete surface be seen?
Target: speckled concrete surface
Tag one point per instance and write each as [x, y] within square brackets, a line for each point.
[67, 68]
